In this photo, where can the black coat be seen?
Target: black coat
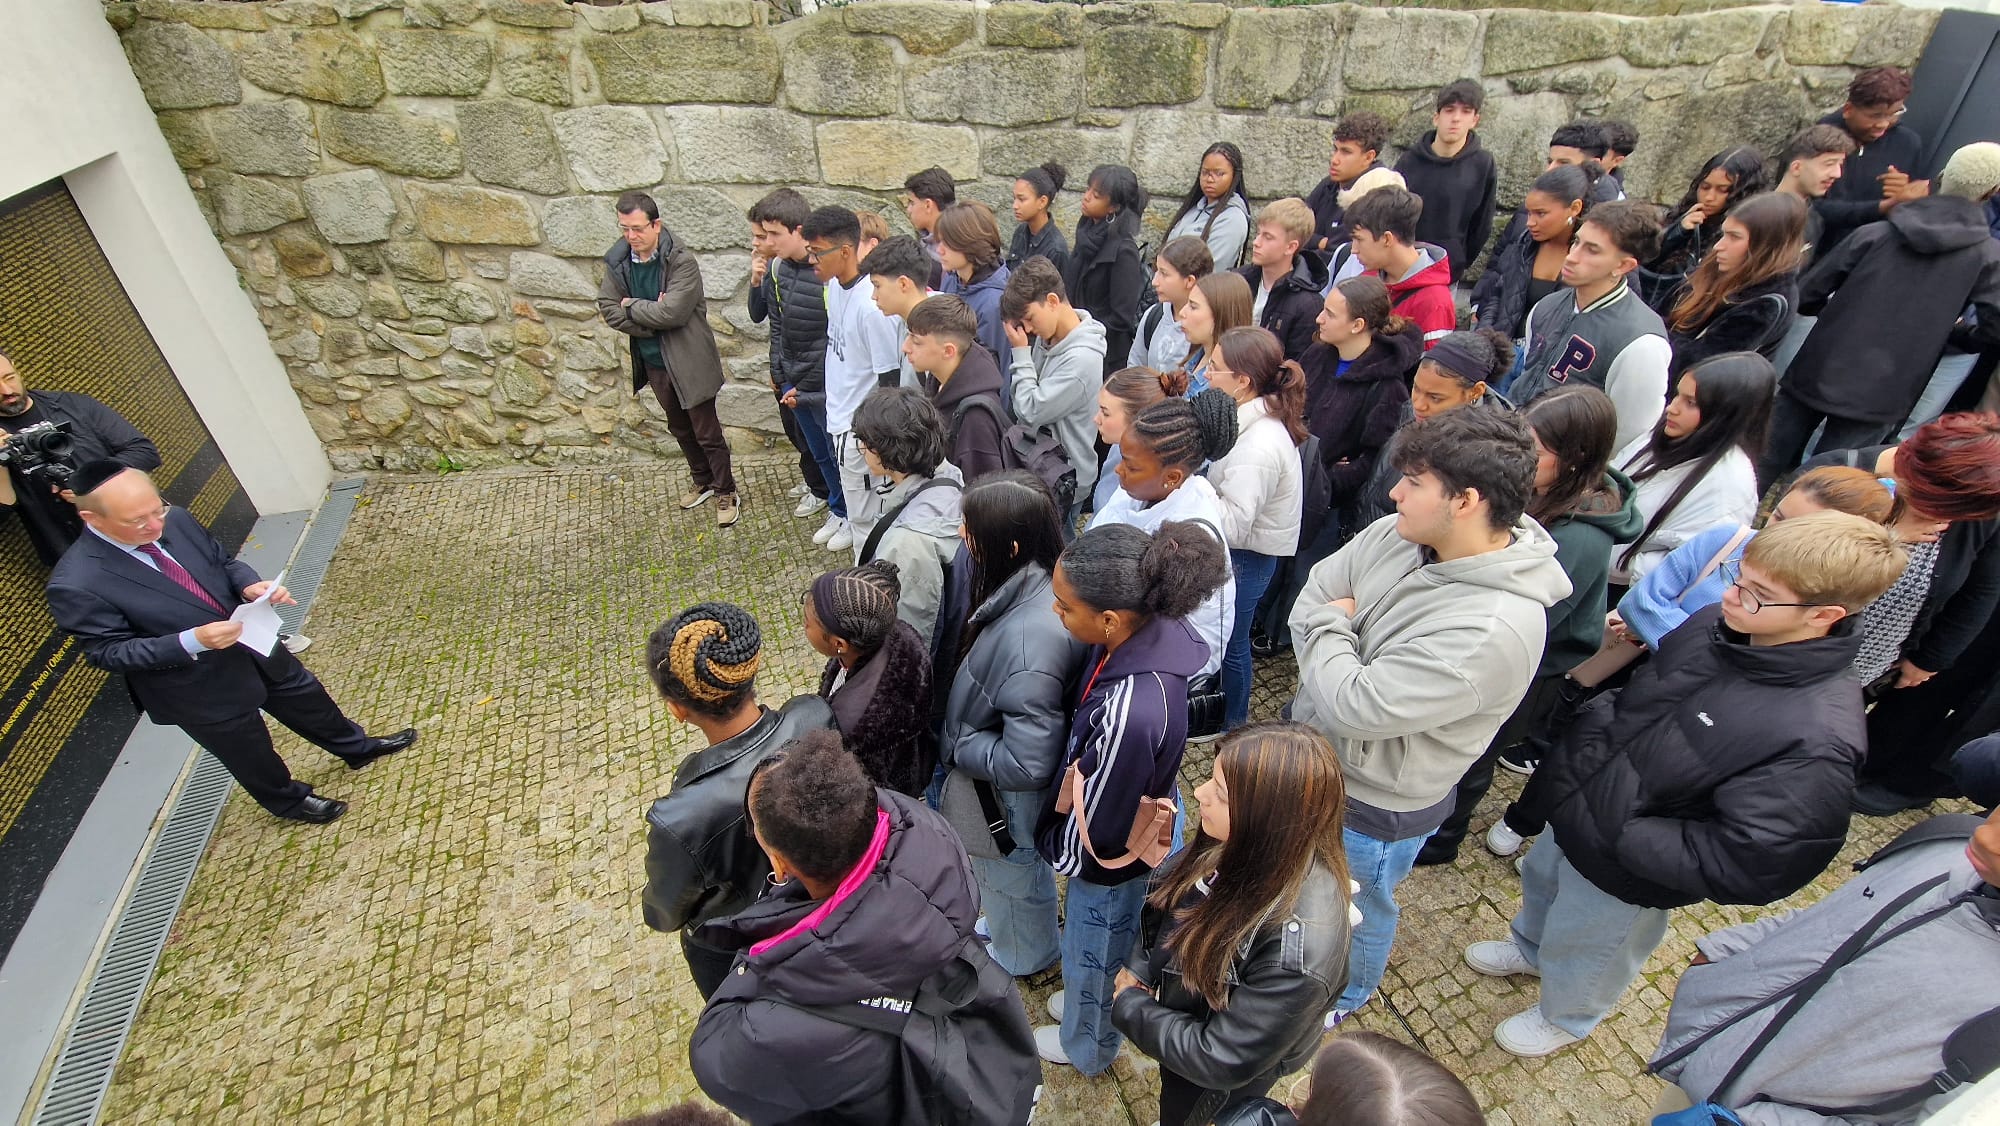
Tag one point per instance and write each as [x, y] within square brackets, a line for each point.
[1888, 298]
[770, 1062]
[1500, 296]
[1355, 415]
[1855, 200]
[1291, 312]
[1965, 580]
[701, 861]
[792, 297]
[128, 619]
[1104, 277]
[1281, 982]
[1722, 771]
[1753, 320]
[883, 709]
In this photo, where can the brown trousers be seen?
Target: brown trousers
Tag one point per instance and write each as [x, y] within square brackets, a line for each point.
[699, 433]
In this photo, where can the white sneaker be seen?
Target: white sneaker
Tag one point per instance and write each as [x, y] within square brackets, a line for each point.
[1503, 841]
[1529, 1035]
[798, 490]
[1334, 1017]
[1518, 862]
[294, 642]
[1055, 1006]
[982, 928]
[827, 529]
[1499, 959]
[843, 537]
[1048, 1044]
[808, 504]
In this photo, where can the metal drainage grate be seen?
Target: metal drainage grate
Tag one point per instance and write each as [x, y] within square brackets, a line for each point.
[82, 1075]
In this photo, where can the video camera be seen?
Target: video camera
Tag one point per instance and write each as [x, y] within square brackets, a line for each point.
[43, 452]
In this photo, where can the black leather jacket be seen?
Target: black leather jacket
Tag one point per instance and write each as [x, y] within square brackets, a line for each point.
[1284, 978]
[701, 861]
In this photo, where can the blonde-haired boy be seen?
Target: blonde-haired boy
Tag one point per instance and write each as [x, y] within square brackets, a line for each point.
[1286, 280]
[1722, 772]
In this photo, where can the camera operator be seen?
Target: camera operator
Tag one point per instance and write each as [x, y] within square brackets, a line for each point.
[95, 432]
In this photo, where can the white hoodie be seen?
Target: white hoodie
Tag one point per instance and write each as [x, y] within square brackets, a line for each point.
[1194, 500]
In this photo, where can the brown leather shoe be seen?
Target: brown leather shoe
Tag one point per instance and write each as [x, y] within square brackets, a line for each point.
[726, 511]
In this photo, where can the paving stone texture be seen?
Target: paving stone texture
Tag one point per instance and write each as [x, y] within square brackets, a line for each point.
[465, 945]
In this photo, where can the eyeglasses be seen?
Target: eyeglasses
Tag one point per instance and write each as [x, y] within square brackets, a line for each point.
[137, 523]
[1732, 573]
[640, 229]
[1891, 113]
[815, 254]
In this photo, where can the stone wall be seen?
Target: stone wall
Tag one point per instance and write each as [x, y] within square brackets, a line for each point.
[417, 193]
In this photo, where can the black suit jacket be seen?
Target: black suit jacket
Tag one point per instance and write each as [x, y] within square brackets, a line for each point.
[128, 617]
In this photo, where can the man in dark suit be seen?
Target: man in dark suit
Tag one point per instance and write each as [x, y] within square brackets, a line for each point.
[147, 592]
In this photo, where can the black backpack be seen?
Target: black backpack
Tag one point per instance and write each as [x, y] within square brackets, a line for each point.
[1025, 447]
[965, 1054]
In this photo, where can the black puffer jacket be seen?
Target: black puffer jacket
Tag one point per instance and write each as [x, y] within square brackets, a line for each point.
[1354, 415]
[1753, 320]
[767, 1061]
[1291, 312]
[1500, 297]
[1281, 982]
[1723, 771]
[701, 861]
[794, 300]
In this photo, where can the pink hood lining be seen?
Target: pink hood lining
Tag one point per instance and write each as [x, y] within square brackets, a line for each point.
[849, 884]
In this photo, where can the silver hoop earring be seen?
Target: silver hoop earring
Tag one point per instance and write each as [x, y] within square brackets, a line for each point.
[772, 879]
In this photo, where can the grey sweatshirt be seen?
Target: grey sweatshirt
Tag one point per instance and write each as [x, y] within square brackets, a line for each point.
[922, 543]
[1412, 687]
[1055, 388]
[1878, 1025]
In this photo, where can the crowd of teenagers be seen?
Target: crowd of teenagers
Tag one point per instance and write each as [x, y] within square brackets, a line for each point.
[1691, 526]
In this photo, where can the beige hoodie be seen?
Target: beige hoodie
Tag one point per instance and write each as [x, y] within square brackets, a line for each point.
[1413, 687]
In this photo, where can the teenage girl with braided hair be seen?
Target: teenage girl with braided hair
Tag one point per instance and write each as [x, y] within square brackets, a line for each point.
[701, 861]
[1125, 394]
[1127, 594]
[1161, 457]
[878, 673]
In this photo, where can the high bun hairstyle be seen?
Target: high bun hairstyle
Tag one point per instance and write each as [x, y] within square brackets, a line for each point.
[858, 604]
[1120, 568]
[705, 658]
[1045, 178]
[1186, 433]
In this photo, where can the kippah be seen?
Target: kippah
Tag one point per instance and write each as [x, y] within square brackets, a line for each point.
[91, 475]
[1466, 355]
[715, 651]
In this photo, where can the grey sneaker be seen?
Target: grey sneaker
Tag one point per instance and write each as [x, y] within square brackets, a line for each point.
[808, 504]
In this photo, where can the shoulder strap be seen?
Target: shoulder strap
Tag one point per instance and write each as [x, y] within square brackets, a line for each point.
[1944, 827]
[1743, 532]
[881, 527]
[1151, 322]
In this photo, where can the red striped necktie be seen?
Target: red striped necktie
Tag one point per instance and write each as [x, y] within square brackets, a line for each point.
[180, 575]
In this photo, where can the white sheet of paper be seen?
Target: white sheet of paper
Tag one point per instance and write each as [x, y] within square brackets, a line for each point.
[260, 621]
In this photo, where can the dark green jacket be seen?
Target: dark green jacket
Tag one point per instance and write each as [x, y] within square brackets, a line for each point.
[1583, 549]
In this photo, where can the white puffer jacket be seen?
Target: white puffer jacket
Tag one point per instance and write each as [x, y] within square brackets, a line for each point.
[1260, 484]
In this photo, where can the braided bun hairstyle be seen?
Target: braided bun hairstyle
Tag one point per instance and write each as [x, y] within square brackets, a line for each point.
[1171, 571]
[858, 604]
[705, 658]
[1186, 433]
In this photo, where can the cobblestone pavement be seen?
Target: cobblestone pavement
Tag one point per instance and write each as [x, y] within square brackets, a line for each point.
[465, 945]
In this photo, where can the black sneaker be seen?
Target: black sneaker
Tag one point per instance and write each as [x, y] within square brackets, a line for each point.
[1262, 646]
[1519, 761]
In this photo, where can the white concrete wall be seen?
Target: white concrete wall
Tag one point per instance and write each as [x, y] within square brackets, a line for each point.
[73, 110]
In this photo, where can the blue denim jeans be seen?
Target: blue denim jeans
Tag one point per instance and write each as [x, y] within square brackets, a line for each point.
[1588, 945]
[1100, 928]
[1951, 372]
[1378, 866]
[1018, 892]
[812, 428]
[1253, 576]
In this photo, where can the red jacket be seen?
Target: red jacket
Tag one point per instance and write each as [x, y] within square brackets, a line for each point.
[1424, 298]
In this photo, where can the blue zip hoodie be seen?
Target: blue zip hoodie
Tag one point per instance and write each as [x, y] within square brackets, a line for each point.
[983, 294]
[1128, 734]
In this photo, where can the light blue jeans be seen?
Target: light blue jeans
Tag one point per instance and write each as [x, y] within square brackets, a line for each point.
[1100, 928]
[1018, 892]
[1378, 866]
[1949, 375]
[1588, 945]
[1253, 576]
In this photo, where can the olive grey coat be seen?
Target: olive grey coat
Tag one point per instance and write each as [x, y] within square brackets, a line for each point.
[678, 315]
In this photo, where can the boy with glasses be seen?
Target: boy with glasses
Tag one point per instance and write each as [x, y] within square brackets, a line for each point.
[861, 355]
[1722, 772]
[1879, 175]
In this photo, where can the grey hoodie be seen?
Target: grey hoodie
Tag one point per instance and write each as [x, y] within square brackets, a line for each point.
[1878, 1025]
[922, 543]
[1055, 388]
[1413, 686]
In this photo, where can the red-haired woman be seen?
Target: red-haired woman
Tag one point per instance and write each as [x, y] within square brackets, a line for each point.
[1947, 479]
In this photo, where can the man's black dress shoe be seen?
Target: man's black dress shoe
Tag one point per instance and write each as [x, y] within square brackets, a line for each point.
[379, 747]
[1876, 800]
[317, 810]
